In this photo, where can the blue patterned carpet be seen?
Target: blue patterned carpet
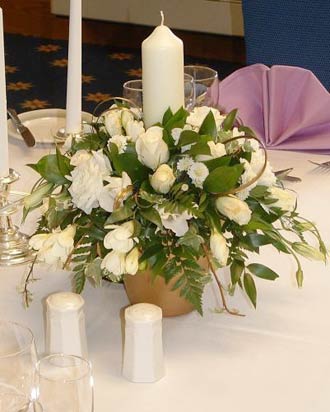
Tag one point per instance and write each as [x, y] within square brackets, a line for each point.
[36, 72]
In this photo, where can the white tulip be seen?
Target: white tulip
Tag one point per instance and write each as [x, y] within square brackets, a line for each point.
[110, 192]
[112, 122]
[132, 262]
[134, 129]
[151, 149]
[285, 199]
[55, 247]
[219, 248]
[234, 208]
[163, 179]
[114, 262]
[120, 238]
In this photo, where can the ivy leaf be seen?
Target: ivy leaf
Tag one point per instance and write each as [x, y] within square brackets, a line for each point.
[79, 281]
[223, 178]
[229, 121]
[209, 126]
[250, 288]
[262, 271]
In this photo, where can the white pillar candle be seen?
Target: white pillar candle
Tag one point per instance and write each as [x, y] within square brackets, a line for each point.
[4, 163]
[162, 74]
[74, 94]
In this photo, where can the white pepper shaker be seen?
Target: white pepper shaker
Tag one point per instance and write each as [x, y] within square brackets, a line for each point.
[65, 328]
[143, 349]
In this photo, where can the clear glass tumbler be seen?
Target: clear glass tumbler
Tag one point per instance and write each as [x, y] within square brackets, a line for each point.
[203, 77]
[18, 357]
[64, 383]
[132, 90]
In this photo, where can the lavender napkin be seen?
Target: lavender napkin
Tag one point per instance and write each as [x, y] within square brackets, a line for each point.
[286, 106]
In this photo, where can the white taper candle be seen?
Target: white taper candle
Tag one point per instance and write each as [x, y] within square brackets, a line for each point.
[162, 74]
[74, 92]
[4, 162]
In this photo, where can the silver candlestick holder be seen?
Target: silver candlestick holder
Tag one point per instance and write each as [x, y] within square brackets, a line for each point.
[14, 245]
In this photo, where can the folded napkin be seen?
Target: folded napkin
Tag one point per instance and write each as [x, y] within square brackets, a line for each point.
[286, 106]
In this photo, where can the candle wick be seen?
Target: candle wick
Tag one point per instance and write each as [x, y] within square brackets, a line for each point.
[162, 16]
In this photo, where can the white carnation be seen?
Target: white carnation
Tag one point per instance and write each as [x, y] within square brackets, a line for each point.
[120, 141]
[198, 115]
[79, 157]
[87, 181]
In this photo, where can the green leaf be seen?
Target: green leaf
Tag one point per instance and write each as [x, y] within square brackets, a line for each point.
[93, 271]
[167, 116]
[236, 270]
[79, 281]
[229, 121]
[150, 252]
[219, 161]
[34, 199]
[188, 137]
[48, 168]
[63, 163]
[209, 126]
[177, 120]
[200, 148]
[223, 178]
[250, 288]
[191, 238]
[120, 214]
[152, 215]
[256, 240]
[129, 163]
[262, 271]
[257, 224]
[247, 131]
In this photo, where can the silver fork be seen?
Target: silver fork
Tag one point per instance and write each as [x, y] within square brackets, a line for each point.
[323, 167]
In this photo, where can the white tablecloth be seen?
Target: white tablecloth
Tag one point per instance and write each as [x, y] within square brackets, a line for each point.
[274, 359]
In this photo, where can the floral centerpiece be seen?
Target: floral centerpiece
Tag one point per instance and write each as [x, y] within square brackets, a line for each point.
[197, 186]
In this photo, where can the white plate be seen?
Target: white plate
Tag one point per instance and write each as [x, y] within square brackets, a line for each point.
[43, 124]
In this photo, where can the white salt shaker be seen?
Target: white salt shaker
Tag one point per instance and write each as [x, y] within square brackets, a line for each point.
[65, 328]
[143, 349]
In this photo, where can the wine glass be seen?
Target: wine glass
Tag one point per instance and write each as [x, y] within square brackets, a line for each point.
[64, 383]
[18, 357]
[132, 90]
[203, 77]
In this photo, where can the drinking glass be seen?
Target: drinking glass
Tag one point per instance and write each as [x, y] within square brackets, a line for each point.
[132, 90]
[64, 383]
[203, 77]
[18, 357]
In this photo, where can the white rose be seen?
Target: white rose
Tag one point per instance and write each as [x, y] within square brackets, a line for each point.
[114, 262]
[286, 199]
[126, 116]
[198, 115]
[198, 172]
[80, 157]
[120, 141]
[163, 179]
[176, 222]
[87, 181]
[134, 129]
[54, 248]
[110, 192]
[234, 208]
[216, 150]
[120, 238]
[132, 262]
[219, 248]
[151, 149]
[112, 122]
